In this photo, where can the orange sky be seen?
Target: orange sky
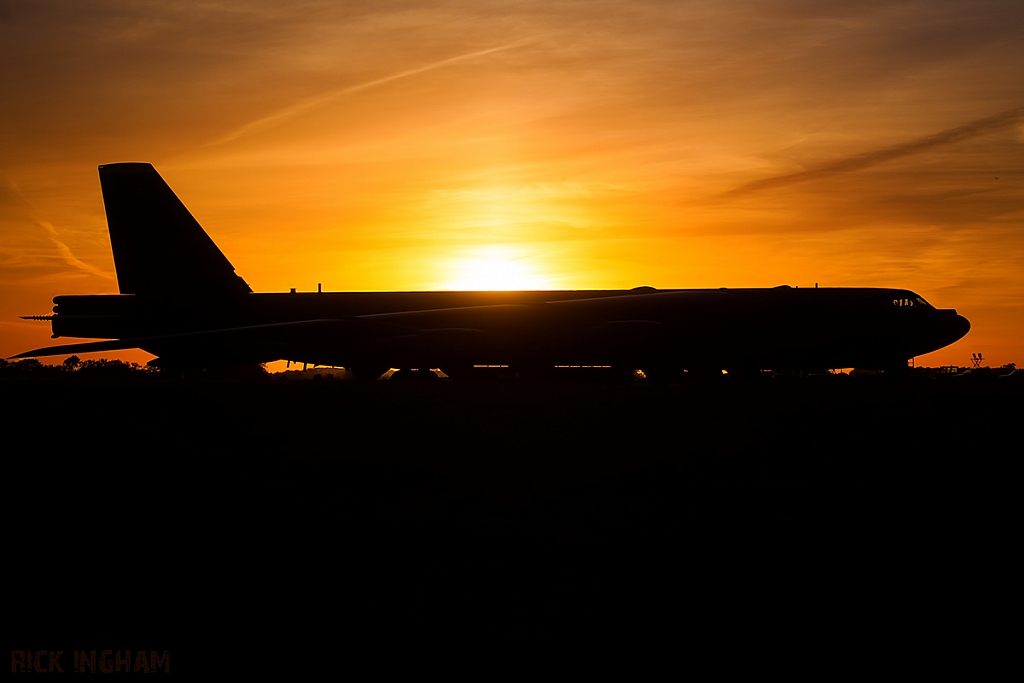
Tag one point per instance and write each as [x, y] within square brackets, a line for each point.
[598, 144]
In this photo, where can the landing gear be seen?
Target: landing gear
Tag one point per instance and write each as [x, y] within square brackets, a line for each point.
[665, 374]
[414, 375]
[458, 372]
[896, 370]
[532, 371]
[622, 374]
[367, 373]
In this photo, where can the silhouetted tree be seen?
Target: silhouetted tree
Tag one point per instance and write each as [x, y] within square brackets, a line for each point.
[71, 363]
[236, 372]
[28, 366]
[108, 368]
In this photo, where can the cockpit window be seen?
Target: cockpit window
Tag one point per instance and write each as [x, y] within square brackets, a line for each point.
[911, 302]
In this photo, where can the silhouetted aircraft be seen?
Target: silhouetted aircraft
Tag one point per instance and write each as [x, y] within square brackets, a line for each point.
[182, 301]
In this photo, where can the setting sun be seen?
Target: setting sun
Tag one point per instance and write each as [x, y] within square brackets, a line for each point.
[494, 268]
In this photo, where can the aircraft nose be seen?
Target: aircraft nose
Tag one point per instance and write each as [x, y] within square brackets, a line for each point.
[955, 326]
[963, 326]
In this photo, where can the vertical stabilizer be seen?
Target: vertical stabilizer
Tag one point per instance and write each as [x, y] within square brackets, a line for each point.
[159, 248]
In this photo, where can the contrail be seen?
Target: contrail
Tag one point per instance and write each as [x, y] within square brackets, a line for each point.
[296, 109]
[67, 254]
[861, 161]
[51, 232]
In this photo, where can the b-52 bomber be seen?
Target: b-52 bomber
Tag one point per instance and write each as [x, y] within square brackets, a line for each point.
[181, 301]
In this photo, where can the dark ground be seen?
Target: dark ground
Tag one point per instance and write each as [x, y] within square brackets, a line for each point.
[246, 525]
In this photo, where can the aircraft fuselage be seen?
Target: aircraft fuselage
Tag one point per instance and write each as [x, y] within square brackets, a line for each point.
[731, 329]
[182, 301]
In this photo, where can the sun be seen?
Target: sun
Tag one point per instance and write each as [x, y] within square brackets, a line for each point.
[494, 268]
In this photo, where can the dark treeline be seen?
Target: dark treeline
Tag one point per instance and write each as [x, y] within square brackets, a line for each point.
[73, 366]
[270, 518]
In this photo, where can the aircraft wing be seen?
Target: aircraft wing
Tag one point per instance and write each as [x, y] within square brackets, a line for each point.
[289, 332]
[454, 333]
[264, 343]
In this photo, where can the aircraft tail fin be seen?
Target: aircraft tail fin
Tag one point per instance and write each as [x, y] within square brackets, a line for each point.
[159, 248]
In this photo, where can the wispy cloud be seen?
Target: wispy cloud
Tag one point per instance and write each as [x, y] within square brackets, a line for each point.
[279, 117]
[66, 253]
[9, 194]
[1006, 119]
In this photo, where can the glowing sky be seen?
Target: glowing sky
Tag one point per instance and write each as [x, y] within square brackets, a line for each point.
[599, 144]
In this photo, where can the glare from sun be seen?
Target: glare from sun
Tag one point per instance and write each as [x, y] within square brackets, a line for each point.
[494, 268]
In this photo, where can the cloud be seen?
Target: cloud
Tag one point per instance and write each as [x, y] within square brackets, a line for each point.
[283, 115]
[66, 253]
[1005, 119]
[11, 197]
